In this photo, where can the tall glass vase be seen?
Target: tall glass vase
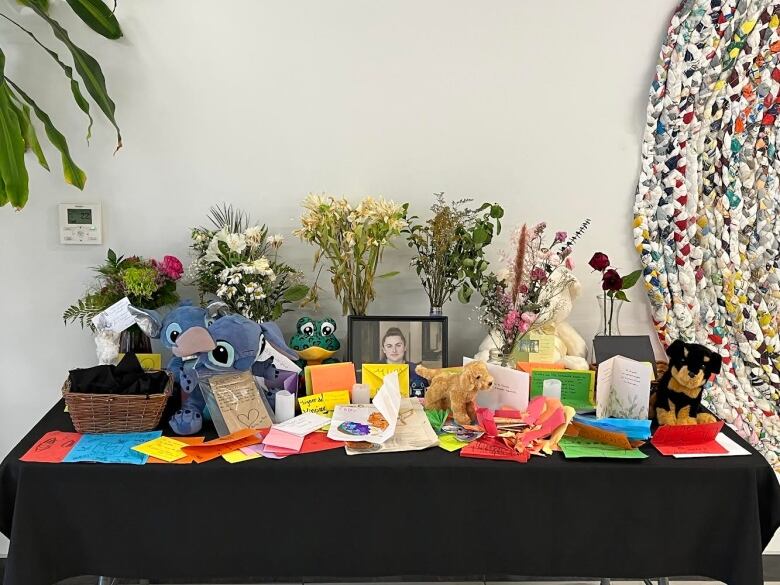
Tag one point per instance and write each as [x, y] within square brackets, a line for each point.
[133, 340]
[609, 315]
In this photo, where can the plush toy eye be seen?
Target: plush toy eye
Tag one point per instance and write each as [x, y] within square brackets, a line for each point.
[307, 329]
[326, 329]
[223, 355]
[479, 376]
[172, 332]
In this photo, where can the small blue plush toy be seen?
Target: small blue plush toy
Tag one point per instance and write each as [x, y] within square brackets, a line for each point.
[237, 342]
[170, 330]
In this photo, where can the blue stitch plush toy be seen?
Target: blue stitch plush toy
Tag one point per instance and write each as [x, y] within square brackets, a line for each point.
[170, 330]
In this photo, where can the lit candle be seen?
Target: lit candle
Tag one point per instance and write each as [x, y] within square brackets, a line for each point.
[552, 388]
[361, 394]
[285, 406]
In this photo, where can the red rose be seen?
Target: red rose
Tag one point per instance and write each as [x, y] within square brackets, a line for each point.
[612, 281]
[599, 261]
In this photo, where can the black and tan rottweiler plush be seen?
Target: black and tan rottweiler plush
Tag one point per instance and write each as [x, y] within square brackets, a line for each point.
[678, 398]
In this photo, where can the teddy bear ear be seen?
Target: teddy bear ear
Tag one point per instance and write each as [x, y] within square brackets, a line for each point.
[676, 350]
[715, 363]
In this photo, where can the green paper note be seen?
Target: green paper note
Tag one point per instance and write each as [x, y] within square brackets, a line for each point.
[576, 386]
[436, 418]
[574, 447]
[450, 443]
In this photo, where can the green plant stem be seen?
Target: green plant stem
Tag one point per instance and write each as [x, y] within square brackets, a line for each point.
[611, 311]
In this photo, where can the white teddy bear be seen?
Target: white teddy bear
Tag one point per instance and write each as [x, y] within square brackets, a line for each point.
[570, 348]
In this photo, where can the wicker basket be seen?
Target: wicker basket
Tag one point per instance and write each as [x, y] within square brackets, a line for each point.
[116, 413]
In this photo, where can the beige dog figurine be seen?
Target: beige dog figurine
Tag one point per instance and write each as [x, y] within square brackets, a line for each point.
[456, 392]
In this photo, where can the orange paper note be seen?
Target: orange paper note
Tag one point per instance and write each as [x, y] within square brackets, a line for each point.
[619, 440]
[186, 459]
[330, 377]
[213, 449]
[529, 366]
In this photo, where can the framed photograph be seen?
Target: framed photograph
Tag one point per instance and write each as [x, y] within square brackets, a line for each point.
[398, 340]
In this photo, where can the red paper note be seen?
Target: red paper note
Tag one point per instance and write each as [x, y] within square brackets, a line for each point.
[52, 447]
[688, 439]
[489, 448]
[315, 442]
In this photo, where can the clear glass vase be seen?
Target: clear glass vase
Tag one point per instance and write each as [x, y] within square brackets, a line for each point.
[609, 315]
[496, 356]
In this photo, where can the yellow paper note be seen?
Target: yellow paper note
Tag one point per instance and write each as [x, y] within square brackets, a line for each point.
[450, 443]
[323, 403]
[374, 376]
[238, 456]
[163, 448]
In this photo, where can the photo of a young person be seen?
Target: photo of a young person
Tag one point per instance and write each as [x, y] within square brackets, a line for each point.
[393, 348]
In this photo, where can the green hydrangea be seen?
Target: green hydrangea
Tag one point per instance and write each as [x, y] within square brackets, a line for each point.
[140, 281]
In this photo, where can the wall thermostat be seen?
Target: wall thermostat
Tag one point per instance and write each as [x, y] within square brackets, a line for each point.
[80, 223]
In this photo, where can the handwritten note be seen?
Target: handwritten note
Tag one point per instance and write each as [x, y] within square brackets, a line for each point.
[490, 448]
[239, 402]
[303, 424]
[52, 447]
[324, 403]
[598, 435]
[576, 447]
[213, 449]
[111, 448]
[164, 448]
[187, 459]
[576, 386]
[116, 318]
[689, 439]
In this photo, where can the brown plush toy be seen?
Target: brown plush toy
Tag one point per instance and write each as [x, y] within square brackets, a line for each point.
[678, 398]
[456, 392]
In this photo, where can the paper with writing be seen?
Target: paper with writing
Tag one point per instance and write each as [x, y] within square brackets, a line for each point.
[619, 440]
[187, 459]
[164, 448]
[730, 445]
[303, 424]
[509, 390]
[491, 448]
[110, 448]
[115, 318]
[372, 423]
[217, 447]
[324, 403]
[413, 433]
[52, 447]
[623, 388]
[576, 386]
[578, 447]
[688, 439]
[239, 401]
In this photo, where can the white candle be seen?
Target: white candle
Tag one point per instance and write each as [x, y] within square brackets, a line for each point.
[552, 388]
[361, 394]
[285, 406]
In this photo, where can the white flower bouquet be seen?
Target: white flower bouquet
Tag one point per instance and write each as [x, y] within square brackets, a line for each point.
[239, 264]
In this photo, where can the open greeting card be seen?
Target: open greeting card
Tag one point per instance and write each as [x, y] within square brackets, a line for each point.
[623, 388]
[373, 423]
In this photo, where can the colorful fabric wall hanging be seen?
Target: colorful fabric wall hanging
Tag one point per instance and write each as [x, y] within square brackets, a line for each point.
[707, 221]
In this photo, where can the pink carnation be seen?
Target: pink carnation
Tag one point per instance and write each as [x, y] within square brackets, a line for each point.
[538, 273]
[528, 318]
[171, 267]
[511, 320]
[569, 263]
[560, 237]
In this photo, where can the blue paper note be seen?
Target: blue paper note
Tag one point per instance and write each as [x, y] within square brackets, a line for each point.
[111, 448]
[635, 430]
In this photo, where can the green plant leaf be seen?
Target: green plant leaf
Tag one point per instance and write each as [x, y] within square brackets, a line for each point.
[620, 295]
[75, 88]
[97, 16]
[28, 130]
[630, 279]
[480, 236]
[464, 294]
[3, 196]
[296, 293]
[88, 69]
[12, 168]
[389, 274]
[73, 174]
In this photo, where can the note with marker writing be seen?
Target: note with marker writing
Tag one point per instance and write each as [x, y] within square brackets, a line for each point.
[324, 403]
[213, 449]
[187, 459]
[491, 448]
[52, 447]
[111, 448]
[688, 439]
[303, 424]
[374, 376]
[578, 447]
[164, 448]
[115, 318]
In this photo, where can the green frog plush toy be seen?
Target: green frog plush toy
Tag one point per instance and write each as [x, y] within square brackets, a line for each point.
[315, 341]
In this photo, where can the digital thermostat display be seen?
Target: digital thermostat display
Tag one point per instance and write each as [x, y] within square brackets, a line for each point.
[80, 223]
[79, 216]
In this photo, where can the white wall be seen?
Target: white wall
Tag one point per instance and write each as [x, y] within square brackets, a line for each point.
[537, 105]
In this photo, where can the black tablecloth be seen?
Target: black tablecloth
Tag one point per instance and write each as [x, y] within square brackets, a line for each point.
[422, 514]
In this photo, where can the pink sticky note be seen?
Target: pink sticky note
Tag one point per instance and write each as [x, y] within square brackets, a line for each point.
[277, 438]
[535, 409]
